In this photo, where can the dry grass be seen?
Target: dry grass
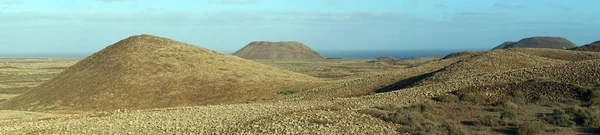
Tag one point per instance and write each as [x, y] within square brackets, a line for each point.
[333, 69]
[20, 74]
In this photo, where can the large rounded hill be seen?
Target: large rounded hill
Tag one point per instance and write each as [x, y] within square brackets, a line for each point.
[145, 71]
[538, 42]
[277, 50]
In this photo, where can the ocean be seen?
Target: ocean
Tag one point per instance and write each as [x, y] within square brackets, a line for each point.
[329, 54]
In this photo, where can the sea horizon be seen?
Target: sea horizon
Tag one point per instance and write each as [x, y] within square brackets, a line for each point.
[352, 54]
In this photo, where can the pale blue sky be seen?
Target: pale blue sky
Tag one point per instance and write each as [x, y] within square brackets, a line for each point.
[56, 26]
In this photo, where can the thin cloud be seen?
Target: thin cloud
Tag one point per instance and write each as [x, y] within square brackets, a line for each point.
[563, 7]
[440, 6]
[482, 17]
[507, 6]
[216, 17]
[134, 5]
[412, 2]
[237, 2]
[12, 2]
[108, 1]
[334, 2]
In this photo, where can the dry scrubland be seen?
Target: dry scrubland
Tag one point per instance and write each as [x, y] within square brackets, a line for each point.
[504, 91]
[19, 74]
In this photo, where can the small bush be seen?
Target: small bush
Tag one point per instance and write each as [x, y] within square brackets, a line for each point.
[540, 98]
[588, 117]
[424, 108]
[447, 98]
[400, 116]
[453, 129]
[488, 120]
[508, 115]
[289, 92]
[591, 95]
[531, 128]
[592, 118]
[375, 112]
[406, 117]
[474, 98]
[517, 94]
[560, 118]
[507, 104]
[594, 97]
[429, 128]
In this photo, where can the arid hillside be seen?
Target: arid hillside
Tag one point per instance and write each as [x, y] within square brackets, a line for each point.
[592, 47]
[504, 91]
[146, 71]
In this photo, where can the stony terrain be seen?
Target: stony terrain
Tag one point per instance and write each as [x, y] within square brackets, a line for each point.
[335, 105]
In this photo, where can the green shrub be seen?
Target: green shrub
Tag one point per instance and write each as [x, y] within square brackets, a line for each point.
[591, 118]
[591, 95]
[594, 97]
[447, 98]
[584, 116]
[452, 129]
[508, 115]
[474, 98]
[507, 104]
[488, 120]
[540, 98]
[531, 128]
[517, 94]
[406, 117]
[289, 92]
[375, 112]
[431, 128]
[577, 113]
[424, 107]
[560, 118]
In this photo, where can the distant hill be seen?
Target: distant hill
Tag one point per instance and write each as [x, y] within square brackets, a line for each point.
[277, 50]
[386, 59]
[465, 53]
[538, 42]
[505, 45]
[146, 71]
[592, 47]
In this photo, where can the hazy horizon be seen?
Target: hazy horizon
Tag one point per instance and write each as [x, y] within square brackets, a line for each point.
[86, 26]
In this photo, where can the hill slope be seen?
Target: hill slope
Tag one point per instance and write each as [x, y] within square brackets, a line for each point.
[146, 71]
[592, 47]
[277, 50]
[539, 42]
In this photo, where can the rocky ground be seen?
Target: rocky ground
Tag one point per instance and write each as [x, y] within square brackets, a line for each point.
[334, 108]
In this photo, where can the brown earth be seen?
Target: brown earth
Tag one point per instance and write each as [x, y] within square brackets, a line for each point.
[592, 47]
[277, 50]
[333, 107]
[538, 42]
[146, 71]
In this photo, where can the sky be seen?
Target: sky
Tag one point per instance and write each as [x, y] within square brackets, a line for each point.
[75, 26]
